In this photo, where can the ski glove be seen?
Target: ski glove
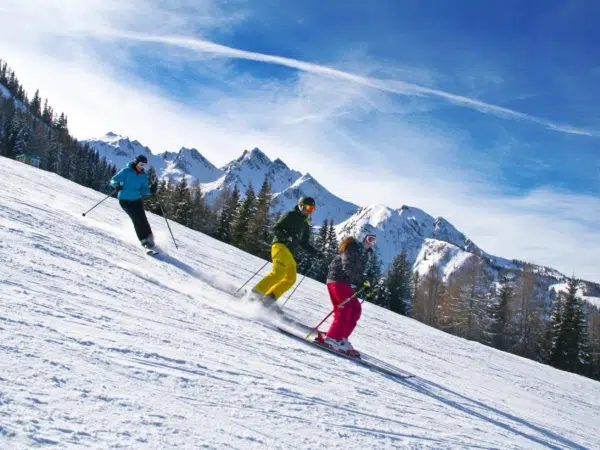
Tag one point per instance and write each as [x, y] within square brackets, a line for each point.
[153, 188]
[118, 187]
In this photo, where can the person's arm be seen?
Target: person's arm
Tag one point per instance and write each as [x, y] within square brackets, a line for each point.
[119, 178]
[305, 241]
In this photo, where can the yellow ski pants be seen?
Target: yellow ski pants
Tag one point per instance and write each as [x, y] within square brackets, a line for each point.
[282, 275]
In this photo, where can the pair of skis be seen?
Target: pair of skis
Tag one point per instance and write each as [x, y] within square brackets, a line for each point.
[364, 359]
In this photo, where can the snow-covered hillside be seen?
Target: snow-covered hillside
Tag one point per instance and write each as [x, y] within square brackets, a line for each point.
[103, 346]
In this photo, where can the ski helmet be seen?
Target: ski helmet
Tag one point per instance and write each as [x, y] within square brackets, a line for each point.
[306, 204]
[141, 159]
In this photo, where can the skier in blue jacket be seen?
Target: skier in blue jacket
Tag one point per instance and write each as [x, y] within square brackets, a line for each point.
[132, 184]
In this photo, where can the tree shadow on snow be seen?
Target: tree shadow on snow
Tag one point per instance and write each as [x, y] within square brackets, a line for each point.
[484, 412]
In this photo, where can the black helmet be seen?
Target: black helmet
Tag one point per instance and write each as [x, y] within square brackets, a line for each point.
[141, 159]
[306, 204]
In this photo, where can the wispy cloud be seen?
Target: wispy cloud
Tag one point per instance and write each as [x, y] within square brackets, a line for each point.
[392, 86]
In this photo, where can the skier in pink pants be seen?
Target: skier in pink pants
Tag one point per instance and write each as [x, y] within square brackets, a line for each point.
[345, 272]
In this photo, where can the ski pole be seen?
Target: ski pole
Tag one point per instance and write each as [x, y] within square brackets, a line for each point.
[168, 226]
[296, 287]
[83, 214]
[256, 273]
[340, 306]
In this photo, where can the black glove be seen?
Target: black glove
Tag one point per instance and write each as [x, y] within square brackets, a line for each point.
[153, 188]
[118, 187]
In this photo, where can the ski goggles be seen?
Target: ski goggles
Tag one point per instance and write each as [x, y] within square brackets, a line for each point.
[370, 239]
[142, 164]
[309, 208]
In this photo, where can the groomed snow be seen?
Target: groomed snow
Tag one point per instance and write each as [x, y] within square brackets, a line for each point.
[105, 347]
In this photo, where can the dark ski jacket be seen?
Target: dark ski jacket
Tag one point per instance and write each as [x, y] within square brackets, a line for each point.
[349, 266]
[293, 230]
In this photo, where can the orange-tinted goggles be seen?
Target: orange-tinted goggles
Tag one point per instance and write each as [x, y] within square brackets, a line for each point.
[309, 208]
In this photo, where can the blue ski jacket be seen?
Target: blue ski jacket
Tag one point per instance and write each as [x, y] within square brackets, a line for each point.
[135, 185]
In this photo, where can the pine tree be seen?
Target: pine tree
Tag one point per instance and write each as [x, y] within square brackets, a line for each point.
[399, 284]
[202, 216]
[47, 114]
[244, 213]
[570, 348]
[500, 314]
[151, 203]
[227, 214]
[321, 267]
[182, 204]
[36, 105]
[260, 225]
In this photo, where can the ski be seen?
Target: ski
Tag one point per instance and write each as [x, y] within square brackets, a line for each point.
[363, 359]
[152, 252]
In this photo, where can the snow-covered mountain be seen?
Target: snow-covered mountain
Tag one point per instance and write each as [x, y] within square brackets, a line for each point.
[427, 240]
[188, 162]
[328, 205]
[105, 347]
[120, 150]
[250, 168]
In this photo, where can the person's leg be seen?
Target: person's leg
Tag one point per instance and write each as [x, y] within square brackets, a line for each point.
[288, 264]
[278, 271]
[135, 211]
[338, 292]
[355, 311]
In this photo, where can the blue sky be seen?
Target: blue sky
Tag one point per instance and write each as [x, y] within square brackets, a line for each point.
[482, 112]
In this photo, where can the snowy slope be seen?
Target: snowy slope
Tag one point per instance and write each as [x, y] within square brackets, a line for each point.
[103, 346]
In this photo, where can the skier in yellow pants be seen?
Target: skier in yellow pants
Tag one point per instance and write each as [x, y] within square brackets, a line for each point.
[292, 231]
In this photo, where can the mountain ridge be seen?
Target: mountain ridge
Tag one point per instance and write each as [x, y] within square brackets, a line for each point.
[408, 227]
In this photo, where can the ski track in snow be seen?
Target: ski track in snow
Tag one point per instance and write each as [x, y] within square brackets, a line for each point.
[106, 347]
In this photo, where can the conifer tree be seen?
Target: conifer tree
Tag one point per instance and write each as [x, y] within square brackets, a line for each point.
[227, 215]
[399, 284]
[36, 105]
[181, 203]
[260, 225]
[570, 347]
[499, 313]
[244, 213]
[321, 266]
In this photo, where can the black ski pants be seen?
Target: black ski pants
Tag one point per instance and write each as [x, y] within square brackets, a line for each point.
[135, 210]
